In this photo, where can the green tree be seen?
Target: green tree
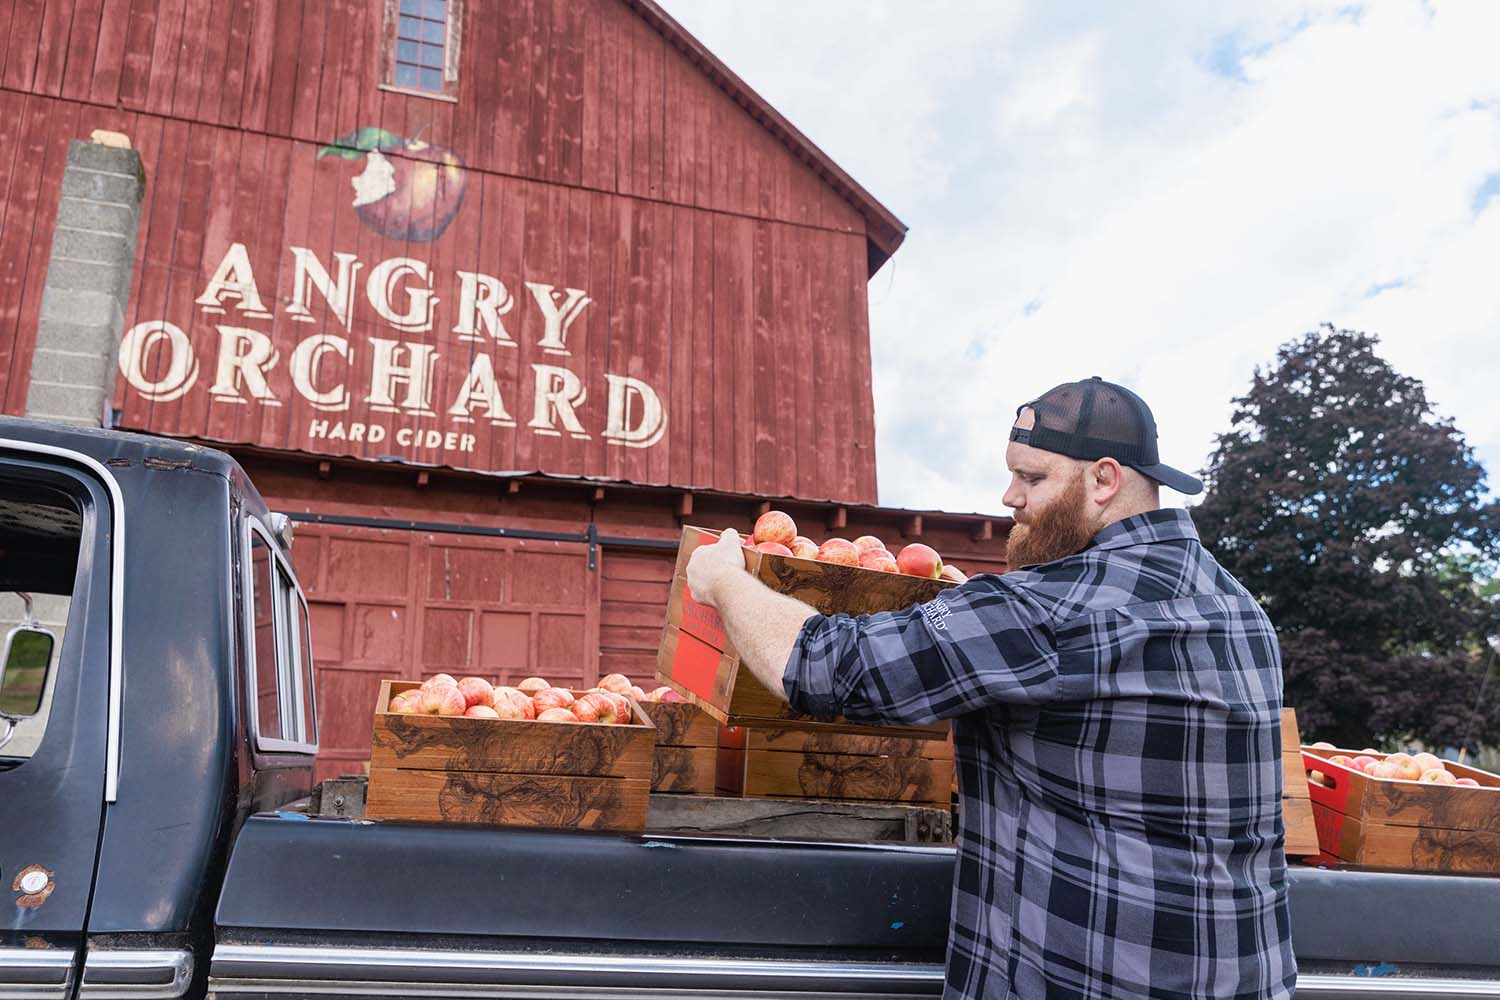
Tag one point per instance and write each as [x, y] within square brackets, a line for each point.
[1358, 518]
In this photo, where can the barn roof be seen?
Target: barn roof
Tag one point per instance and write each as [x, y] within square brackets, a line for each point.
[884, 231]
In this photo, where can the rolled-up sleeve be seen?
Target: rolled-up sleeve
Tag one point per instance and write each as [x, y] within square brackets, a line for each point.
[973, 646]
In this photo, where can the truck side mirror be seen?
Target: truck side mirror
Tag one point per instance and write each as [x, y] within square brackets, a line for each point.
[23, 671]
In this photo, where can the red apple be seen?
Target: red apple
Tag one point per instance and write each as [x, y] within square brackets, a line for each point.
[1427, 762]
[1438, 776]
[405, 703]
[665, 693]
[518, 707]
[952, 573]
[1319, 778]
[878, 559]
[481, 712]
[1323, 745]
[557, 715]
[1363, 762]
[552, 698]
[921, 560]
[775, 526]
[409, 189]
[839, 551]
[1406, 767]
[595, 707]
[439, 680]
[442, 701]
[1466, 782]
[635, 693]
[477, 691]
[804, 548]
[623, 713]
[532, 685]
[865, 542]
[1384, 769]
[618, 683]
[775, 548]
[1343, 760]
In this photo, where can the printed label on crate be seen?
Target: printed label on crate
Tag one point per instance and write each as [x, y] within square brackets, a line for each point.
[695, 664]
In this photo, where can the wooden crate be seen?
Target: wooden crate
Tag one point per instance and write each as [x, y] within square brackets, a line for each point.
[800, 819]
[509, 772]
[841, 767]
[1296, 805]
[697, 658]
[1405, 825]
[687, 744]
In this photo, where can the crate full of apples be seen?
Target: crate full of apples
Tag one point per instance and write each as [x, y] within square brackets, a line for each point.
[469, 751]
[687, 738]
[835, 576]
[1407, 811]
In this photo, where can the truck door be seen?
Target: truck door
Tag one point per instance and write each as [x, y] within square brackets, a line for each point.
[59, 530]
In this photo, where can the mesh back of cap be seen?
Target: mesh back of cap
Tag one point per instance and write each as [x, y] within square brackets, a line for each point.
[1092, 420]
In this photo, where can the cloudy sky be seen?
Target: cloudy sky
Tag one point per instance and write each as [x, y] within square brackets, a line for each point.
[1158, 193]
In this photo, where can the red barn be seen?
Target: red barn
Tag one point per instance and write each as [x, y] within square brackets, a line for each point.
[490, 297]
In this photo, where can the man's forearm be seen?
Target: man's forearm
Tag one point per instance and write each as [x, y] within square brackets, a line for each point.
[763, 625]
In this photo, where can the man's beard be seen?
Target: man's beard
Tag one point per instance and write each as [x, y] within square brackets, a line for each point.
[1059, 530]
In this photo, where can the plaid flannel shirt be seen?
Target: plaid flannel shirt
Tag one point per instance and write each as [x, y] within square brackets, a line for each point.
[1116, 718]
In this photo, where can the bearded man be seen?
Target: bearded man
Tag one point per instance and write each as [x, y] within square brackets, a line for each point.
[1116, 703]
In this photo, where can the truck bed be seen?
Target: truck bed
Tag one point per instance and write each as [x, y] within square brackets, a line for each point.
[325, 901]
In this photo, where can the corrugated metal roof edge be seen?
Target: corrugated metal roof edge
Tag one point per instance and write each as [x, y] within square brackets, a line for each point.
[885, 232]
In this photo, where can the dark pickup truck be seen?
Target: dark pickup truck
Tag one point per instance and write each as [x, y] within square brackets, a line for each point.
[155, 841]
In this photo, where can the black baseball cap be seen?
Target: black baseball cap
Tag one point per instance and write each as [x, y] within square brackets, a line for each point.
[1095, 419]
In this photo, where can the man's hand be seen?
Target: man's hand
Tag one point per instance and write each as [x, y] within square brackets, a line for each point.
[711, 564]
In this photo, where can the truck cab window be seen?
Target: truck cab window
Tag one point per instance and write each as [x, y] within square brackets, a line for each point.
[280, 651]
[40, 530]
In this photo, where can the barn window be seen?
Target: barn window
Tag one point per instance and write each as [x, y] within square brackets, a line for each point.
[422, 46]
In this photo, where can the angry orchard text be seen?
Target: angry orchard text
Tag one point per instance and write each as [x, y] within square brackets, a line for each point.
[336, 374]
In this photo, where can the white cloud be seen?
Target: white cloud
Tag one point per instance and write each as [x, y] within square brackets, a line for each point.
[1159, 194]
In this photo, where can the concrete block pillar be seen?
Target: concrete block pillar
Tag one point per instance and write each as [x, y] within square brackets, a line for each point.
[88, 283]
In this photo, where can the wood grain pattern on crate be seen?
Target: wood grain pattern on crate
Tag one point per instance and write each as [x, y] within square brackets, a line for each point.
[684, 770]
[846, 743]
[834, 776]
[804, 819]
[1409, 848]
[558, 801]
[681, 724]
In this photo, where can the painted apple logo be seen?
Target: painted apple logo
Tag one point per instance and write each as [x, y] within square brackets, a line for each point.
[409, 189]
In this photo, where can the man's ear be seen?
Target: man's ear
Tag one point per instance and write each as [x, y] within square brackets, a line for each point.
[1105, 478]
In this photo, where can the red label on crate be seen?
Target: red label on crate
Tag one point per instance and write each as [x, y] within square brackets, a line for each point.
[695, 665]
[701, 621]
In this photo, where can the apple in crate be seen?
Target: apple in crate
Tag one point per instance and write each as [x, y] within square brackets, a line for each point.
[513, 703]
[622, 706]
[557, 715]
[442, 701]
[665, 693]
[596, 706]
[405, 703]
[921, 560]
[774, 548]
[878, 559]
[439, 680]
[1428, 762]
[1384, 769]
[532, 685]
[481, 712]
[1466, 782]
[1438, 776]
[477, 691]
[1363, 762]
[618, 683]
[866, 542]
[1406, 766]
[552, 698]
[839, 551]
[804, 548]
[775, 526]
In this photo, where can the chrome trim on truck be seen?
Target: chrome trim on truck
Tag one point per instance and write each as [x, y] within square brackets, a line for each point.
[36, 973]
[136, 975]
[1318, 986]
[116, 598]
[414, 972]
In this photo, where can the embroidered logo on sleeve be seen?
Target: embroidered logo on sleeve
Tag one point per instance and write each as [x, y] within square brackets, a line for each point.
[936, 611]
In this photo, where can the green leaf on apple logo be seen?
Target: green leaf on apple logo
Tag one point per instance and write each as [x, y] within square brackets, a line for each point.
[359, 142]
